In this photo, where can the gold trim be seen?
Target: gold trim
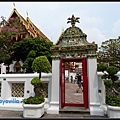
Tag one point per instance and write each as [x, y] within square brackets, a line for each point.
[26, 23]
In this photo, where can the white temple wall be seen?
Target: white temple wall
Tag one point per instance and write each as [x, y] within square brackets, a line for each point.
[6, 81]
[93, 87]
[55, 86]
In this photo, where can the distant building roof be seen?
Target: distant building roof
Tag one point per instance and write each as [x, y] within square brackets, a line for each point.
[30, 27]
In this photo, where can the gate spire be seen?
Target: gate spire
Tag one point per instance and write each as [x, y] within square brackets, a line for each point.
[73, 20]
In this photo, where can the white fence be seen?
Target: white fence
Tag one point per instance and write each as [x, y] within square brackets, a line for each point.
[18, 86]
[24, 89]
[101, 91]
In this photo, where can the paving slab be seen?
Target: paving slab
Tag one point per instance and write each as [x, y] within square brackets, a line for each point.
[19, 114]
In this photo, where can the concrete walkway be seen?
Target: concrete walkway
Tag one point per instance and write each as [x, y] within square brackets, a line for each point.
[19, 114]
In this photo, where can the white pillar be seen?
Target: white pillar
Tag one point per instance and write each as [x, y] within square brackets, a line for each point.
[94, 102]
[3, 69]
[5, 89]
[54, 100]
[102, 95]
[11, 68]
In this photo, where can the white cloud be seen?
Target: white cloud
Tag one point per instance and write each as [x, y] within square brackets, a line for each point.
[94, 34]
[93, 21]
[116, 27]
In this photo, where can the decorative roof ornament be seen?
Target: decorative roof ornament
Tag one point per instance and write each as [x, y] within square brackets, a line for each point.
[14, 5]
[62, 29]
[27, 13]
[73, 20]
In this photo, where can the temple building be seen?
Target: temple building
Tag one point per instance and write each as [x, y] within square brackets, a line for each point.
[26, 30]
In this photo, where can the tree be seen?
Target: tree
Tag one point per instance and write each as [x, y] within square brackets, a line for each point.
[7, 30]
[41, 64]
[28, 63]
[109, 52]
[101, 67]
[39, 45]
[112, 86]
[12, 50]
[112, 70]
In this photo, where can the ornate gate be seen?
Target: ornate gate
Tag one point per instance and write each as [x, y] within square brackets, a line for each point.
[73, 47]
[64, 97]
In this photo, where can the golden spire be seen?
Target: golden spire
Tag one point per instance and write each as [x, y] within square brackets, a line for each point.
[27, 13]
[62, 29]
[27, 16]
[14, 5]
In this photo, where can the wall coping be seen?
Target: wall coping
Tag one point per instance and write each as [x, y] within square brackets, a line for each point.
[25, 75]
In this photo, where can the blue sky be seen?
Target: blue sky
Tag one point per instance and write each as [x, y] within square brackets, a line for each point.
[99, 20]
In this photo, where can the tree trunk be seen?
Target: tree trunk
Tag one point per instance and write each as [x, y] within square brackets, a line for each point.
[37, 90]
[39, 75]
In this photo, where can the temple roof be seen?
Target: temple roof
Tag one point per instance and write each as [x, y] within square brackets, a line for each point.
[30, 27]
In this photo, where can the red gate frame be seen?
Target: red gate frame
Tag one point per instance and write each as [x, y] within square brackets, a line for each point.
[62, 81]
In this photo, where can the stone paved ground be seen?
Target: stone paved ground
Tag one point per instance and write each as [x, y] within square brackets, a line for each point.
[10, 114]
[19, 114]
[70, 94]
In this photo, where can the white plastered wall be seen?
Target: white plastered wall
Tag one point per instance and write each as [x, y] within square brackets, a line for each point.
[55, 84]
[94, 99]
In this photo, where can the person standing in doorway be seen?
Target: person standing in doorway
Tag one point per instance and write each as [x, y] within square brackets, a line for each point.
[71, 79]
[79, 79]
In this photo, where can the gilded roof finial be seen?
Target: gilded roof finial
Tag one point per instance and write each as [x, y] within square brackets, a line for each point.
[73, 20]
[27, 13]
[14, 5]
[62, 29]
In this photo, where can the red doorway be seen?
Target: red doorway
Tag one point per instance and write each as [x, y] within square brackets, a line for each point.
[67, 89]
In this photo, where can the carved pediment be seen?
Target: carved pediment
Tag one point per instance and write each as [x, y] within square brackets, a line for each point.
[73, 42]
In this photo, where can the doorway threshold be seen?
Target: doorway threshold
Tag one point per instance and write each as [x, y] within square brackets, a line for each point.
[69, 109]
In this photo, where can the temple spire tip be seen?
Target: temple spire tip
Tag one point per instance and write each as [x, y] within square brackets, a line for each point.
[14, 5]
[62, 29]
[27, 13]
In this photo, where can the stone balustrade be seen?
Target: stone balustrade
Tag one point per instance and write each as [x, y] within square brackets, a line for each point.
[18, 86]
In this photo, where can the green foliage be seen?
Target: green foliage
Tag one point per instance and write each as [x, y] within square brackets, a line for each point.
[118, 84]
[34, 100]
[101, 67]
[31, 48]
[31, 54]
[25, 65]
[41, 64]
[109, 52]
[37, 99]
[22, 47]
[105, 76]
[114, 77]
[28, 62]
[111, 70]
[35, 81]
[113, 100]
[107, 83]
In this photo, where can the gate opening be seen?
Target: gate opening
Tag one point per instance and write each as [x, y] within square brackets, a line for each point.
[69, 67]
